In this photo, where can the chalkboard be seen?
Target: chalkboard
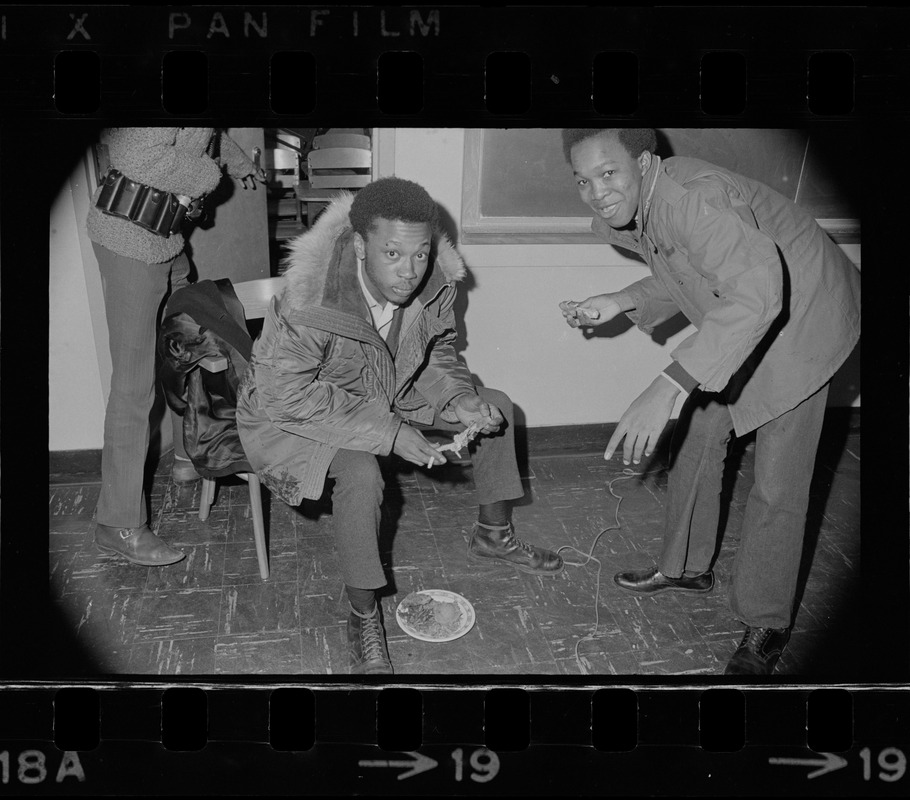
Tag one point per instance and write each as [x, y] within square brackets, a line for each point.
[518, 186]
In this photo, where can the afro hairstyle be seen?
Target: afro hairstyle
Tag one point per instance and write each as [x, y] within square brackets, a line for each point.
[393, 199]
[635, 140]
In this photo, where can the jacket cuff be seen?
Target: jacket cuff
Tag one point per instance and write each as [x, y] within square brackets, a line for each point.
[677, 374]
[447, 412]
[389, 445]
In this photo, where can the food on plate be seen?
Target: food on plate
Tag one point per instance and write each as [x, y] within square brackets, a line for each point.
[429, 617]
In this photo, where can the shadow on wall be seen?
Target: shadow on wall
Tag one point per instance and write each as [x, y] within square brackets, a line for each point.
[449, 227]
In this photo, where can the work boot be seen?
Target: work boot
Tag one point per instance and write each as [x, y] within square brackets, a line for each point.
[758, 652]
[138, 545]
[500, 542]
[367, 645]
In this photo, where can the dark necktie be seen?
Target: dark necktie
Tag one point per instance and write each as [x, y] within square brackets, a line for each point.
[391, 338]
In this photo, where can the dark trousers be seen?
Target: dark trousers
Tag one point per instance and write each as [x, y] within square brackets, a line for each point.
[771, 541]
[357, 496]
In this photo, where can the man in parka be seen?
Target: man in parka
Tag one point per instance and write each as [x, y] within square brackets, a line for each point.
[776, 307]
[354, 357]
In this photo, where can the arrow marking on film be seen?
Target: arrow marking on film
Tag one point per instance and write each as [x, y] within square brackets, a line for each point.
[418, 765]
[829, 763]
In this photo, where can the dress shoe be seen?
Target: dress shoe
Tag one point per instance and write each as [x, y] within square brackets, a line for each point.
[652, 581]
[500, 542]
[758, 652]
[183, 471]
[138, 545]
[367, 645]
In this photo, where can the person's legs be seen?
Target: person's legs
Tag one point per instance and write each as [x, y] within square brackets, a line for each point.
[497, 482]
[132, 295]
[767, 562]
[697, 452]
[496, 476]
[771, 543]
[698, 449]
[356, 511]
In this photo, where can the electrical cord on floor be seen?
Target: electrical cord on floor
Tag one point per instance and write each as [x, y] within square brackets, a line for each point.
[589, 556]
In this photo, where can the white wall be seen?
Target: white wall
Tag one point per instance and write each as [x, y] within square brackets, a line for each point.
[77, 392]
[517, 340]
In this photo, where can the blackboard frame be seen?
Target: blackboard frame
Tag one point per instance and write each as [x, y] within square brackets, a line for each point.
[476, 228]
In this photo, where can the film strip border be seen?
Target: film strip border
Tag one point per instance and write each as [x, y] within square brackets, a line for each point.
[579, 741]
[448, 63]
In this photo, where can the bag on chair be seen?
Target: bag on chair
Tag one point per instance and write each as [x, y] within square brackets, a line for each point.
[204, 328]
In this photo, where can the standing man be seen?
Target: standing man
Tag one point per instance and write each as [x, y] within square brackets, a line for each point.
[355, 357]
[140, 252]
[776, 305]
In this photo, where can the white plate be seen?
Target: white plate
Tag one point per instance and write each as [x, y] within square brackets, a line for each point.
[441, 595]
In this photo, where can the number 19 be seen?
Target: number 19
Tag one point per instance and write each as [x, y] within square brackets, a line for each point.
[485, 763]
[892, 761]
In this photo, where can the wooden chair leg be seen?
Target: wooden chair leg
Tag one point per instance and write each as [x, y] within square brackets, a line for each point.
[206, 498]
[258, 524]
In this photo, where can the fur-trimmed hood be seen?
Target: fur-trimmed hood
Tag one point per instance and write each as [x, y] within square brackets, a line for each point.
[321, 263]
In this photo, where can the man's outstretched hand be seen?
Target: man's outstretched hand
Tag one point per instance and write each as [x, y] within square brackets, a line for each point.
[594, 311]
[644, 421]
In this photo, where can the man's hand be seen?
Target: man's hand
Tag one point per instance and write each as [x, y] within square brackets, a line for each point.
[594, 311]
[249, 180]
[469, 408]
[412, 446]
[644, 421]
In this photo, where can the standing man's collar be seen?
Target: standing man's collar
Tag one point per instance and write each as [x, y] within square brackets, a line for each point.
[649, 179]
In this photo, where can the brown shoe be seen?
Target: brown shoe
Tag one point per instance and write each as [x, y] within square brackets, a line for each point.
[367, 645]
[138, 545]
[488, 542]
[183, 471]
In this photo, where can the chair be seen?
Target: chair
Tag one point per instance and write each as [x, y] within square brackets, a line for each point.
[329, 140]
[337, 162]
[282, 166]
[339, 167]
[255, 297]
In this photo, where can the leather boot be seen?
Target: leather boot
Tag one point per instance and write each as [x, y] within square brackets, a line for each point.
[367, 645]
[758, 652]
[500, 542]
[138, 545]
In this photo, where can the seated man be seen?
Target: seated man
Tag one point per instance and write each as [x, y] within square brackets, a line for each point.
[355, 355]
